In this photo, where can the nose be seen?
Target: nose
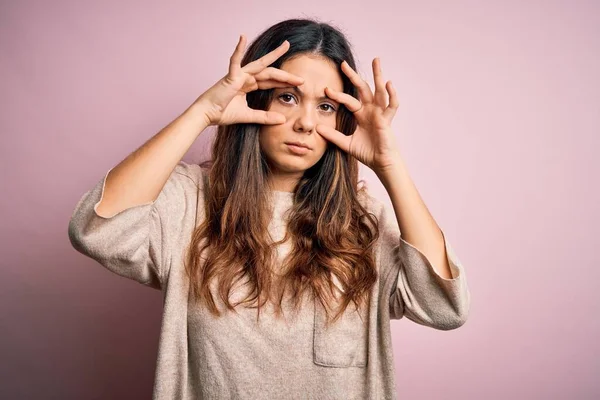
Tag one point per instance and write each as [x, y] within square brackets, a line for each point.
[305, 121]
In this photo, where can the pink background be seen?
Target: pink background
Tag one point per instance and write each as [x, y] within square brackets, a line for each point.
[499, 125]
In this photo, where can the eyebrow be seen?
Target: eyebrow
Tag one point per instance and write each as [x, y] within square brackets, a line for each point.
[302, 94]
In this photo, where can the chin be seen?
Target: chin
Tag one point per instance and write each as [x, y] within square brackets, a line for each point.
[293, 167]
[291, 164]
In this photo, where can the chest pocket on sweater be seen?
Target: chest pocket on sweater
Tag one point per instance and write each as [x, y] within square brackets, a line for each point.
[343, 343]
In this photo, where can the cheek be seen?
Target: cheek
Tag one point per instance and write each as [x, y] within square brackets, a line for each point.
[268, 137]
[322, 149]
[263, 138]
[275, 106]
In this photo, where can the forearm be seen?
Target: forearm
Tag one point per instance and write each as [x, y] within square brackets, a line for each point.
[417, 225]
[140, 177]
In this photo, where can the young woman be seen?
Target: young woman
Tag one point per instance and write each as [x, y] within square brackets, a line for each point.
[280, 275]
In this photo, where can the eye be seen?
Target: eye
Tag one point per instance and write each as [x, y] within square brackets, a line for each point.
[331, 108]
[284, 97]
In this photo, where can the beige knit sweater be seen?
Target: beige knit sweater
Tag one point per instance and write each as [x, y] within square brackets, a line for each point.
[234, 357]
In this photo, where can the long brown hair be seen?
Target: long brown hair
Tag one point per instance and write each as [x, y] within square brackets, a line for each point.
[333, 235]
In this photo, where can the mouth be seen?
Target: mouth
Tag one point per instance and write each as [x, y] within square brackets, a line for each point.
[298, 148]
[298, 144]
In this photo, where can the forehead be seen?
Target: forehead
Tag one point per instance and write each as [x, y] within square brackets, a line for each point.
[317, 72]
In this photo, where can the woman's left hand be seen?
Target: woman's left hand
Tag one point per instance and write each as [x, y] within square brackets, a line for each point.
[372, 143]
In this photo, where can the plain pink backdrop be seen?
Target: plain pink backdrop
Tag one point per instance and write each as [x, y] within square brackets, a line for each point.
[499, 125]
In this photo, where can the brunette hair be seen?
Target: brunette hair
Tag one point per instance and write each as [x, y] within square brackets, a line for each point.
[333, 235]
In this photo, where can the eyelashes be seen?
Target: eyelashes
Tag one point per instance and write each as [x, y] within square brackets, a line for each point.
[331, 109]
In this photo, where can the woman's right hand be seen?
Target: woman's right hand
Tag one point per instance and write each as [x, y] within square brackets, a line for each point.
[225, 102]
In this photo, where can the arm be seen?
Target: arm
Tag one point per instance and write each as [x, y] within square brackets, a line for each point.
[140, 177]
[429, 283]
[131, 220]
[414, 219]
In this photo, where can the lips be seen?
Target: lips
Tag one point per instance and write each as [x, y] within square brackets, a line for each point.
[298, 144]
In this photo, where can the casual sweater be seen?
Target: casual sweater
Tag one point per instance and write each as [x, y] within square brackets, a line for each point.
[202, 356]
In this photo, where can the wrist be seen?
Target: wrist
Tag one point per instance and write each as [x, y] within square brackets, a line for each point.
[200, 111]
[392, 171]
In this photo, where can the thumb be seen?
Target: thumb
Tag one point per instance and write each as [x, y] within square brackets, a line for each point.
[266, 117]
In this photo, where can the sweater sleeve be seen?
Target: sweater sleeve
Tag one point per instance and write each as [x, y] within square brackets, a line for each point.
[136, 242]
[418, 291]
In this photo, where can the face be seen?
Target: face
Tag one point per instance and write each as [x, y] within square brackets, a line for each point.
[304, 107]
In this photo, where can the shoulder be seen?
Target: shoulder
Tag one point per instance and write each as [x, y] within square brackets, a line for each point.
[371, 203]
[383, 212]
[192, 171]
[190, 175]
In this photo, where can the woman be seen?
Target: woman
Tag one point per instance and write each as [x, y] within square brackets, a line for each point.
[280, 275]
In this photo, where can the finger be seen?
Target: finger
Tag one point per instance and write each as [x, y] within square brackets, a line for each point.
[390, 111]
[236, 58]
[351, 103]
[266, 60]
[380, 93]
[334, 136]
[271, 83]
[364, 91]
[280, 75]
[266, 117]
